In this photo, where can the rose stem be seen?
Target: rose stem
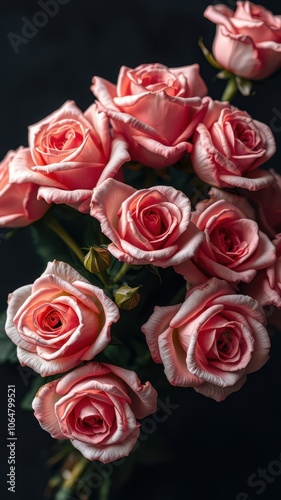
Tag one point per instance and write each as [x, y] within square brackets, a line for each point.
[105, 489]
[125, 267]
[230, 90]
[54, 224]
[75, 473]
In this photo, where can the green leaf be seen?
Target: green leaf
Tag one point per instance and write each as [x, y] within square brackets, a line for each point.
[117, 354]
[210, 58]
[224, 74]
[244, 86]
[8, 350]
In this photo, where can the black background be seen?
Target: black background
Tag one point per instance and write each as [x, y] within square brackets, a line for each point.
[221, 445]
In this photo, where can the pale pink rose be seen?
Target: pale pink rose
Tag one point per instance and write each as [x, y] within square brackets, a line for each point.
[19, 206]
[59, 321]
[248, 40]
[146, 226]
[266, 286]
[267, 205]
[234, 248]
[69, 153]
[211, 341]
[155, 108]
[97, 407]
[233, 197]
[230, 146]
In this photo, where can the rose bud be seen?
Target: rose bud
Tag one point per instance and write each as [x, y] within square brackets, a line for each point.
[97, 259]
[126, 297]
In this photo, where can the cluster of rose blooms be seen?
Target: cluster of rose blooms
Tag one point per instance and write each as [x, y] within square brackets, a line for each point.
[228, 249]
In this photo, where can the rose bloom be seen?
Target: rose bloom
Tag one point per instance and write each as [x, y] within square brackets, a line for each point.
[234, 248]
[146, 226]
[230, 146]
[96, 406]
[19, 206]
[59, 321]
[69, 153]
[266, 286]
[268, 207]
[155, 108]
[248, 40]
[211, 341]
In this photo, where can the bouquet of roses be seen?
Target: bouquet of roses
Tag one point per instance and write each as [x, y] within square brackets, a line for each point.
[159, 227]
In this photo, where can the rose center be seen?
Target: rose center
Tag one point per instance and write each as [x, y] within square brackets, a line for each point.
[63, 140]
[224, 342]
[50, 320]
[53, 320]
[154, 222]
[90, 422]
[228, 241]
[244, 135]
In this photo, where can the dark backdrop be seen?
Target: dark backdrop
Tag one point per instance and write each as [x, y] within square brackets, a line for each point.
[223, 444]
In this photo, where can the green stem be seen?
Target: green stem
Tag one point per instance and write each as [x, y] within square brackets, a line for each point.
[105, 489]
[230, 90]
[103, 276]
[125, 267]
[54, 224]
[11, 233]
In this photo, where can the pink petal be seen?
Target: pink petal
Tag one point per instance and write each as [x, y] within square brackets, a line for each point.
[44, 409]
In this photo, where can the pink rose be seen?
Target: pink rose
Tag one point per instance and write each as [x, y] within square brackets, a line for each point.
[70, 153]
[59, 321]
[155, 108]
[248, 40]
[96, 406]
[236, 199]
[19, 206]
[211, 341]
[266, 286]
[229, 146]
[268, 207]
[146, 226]
[234, 248]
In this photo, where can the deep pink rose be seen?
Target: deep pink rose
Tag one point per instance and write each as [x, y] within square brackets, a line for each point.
[19, 206]
[146, 226]
[266, 286]
[155, 108]
[96, 406]
[69, 153]
[234, 248]
[211, 341]
[59, 321]
[248, 40]
[229, 147]
[267, 204]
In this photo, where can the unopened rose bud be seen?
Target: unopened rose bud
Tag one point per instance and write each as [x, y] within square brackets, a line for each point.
[126, 297]
[97, 259]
